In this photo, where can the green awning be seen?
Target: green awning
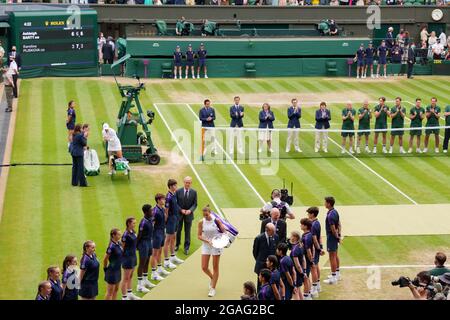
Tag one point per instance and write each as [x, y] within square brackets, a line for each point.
[4, 25]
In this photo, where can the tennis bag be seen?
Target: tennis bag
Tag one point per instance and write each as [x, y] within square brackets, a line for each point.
[91, 163]
[231, 231]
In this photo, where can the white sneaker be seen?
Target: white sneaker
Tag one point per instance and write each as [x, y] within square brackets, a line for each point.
[372, 76]
[425, 150]
[385, 150]
[298, 150]
[179, 77]
[391, 149]
[288, 150]
[338, 277]
[186, 77]
[193, 77]
[126, 298]
[314, 294]
[148, 284]
[240, 151]
[358, 150]
[357, 77]
[410, 150]
[198, 76]
[330, 281]
[206, 77]
[402, 150]
[351, 151]
[319, 288]
[212, 292]
[259, 150]
[445, 151]
[325, 150]
[385, 76]
[142, 289]
[308, 297]
[343, 151]
[271, 150]
[436, 150]
[316, 150]
[374, 150]
[169, 264]
[110, 173]
[163, 272]
[367, 149]
[131, 296]
[418, 150]
[157, 277]
[378, 76]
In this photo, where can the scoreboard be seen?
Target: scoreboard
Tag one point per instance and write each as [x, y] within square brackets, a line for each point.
[55, 39]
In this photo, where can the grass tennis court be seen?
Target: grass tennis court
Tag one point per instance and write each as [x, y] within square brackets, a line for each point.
[44, 218]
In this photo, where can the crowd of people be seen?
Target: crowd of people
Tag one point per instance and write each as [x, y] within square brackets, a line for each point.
[287, 268]
[154, 245]
[397, 114]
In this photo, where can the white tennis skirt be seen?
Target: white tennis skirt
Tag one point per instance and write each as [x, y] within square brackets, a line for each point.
[210, 250]
[265, 134]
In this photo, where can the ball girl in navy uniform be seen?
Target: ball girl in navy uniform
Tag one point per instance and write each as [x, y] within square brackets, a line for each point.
[275, 278]
[316, 231]
[53, 276]
[308, 250]
[286, 270]
[159, 225]
[265, 292]
[129, 259]
[299, 264]
[44, 291]
[201, 54]
[177, 62]
[89, 267]
[171, 211]
[266, 119]
[112, 263]
[70, 279]
[145, 247]
[190, 62]
[71, 119]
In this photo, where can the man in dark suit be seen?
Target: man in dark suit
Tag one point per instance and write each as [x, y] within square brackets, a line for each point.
[236, 115]
[15, 56]
[280, 225]
[389, 38]
[187, 203]
[264, 245]
[411, 60]
[108, 52]
[323, 117]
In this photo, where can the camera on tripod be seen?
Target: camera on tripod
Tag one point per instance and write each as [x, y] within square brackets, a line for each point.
[285, 199]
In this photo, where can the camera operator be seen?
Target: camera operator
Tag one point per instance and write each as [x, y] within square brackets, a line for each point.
[421, 286]
[282, 206]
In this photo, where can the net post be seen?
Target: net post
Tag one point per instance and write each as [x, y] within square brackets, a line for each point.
[202, 145]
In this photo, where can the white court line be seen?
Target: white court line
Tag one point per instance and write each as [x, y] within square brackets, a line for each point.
[392, 266]
[189, 161]
[232, 162]
[373, 171]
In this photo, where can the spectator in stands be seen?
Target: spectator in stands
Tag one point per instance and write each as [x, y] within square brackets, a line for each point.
[334, 2]
[396, 53]
[432, 39]
[443, 38]
[180, 26]
[424, 34]
[108, 51]
[9, 87]
[437, 49]
[391, 2]
[390, 38]
[333, 27]
[2, 53]
[439, 262]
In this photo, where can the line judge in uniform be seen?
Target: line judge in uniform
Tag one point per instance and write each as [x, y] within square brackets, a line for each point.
[207, 115]
[236, 114]
[187, 203]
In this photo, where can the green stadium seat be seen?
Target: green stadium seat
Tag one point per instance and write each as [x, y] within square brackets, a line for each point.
[250, 68]
[166, 68]
[331, 67]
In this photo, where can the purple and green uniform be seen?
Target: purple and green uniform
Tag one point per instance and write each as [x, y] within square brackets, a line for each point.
[369, 53]
[308, 244]
[332, 219]
[158, 227]
[286, 265]
[145, 245]
[189, 58]
[275, 279]
[360, 57]
[129, 258]
[364, 122]
[69, 278]
[57, 290]
[432, 121]
[89, 283]
[113, 271]
[41, 298]
[398, 121]
[417, 121]
[177, 59]
[172, 214]
[316, 230]
[201, 57]
[266, 292]
[297, 252]
[348, 124]
[382, 52]
[71, 124]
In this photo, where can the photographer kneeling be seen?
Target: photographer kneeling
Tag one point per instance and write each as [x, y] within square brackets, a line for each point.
[421, 287]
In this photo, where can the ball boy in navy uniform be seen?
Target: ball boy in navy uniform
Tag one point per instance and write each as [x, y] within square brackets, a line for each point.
[265, 292]
[275, 278]
[159, 225]
[171, 212]
[190, 62]
[369, 53]
[316, 231]
[308, 249]
[359, 59]
[177, 62]
[333, 229]
[112, 263]
[129, 260]
[201, 54]
[53, 276]
[145, 248]
[297, 256]
[382, 60]
[71, 120]
[287, 271]
[89, 267]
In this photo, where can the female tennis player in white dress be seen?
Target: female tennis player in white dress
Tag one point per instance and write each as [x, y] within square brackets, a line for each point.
[210, 228]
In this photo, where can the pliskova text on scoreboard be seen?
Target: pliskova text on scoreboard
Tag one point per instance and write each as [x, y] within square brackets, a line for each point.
[225, 310]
